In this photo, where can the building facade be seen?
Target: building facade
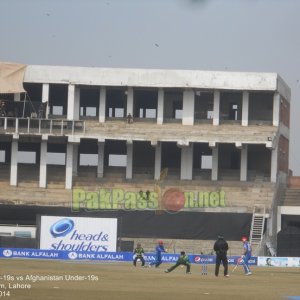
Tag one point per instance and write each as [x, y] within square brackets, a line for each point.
[149, 130]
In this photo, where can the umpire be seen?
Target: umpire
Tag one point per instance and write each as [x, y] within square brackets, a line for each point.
[221, 248]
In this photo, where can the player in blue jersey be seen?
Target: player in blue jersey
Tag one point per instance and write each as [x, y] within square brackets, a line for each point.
[158, 249]
[246, 255]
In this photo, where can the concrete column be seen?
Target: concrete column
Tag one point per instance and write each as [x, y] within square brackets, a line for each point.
[14, 163]
[69, 165]
[188, 107]
[276, 109]
[245, 109]
[160, 107]
[129, 101]
[244, 162]
[43, 165]
[216, 114]
[45, 98]
[157, 166]
[215, 162]
[17, 97]
[102, 104]
[75, 159]
[129, 145]
[274, 164]
[73, 102]
[100, 167]
[186, 170]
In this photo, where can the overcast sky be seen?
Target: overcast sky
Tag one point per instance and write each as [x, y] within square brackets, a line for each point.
[232, 35]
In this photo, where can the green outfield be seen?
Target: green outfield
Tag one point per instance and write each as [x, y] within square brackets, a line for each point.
[31, 279]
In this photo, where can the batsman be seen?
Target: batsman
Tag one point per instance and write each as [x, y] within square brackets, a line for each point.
[158, 249]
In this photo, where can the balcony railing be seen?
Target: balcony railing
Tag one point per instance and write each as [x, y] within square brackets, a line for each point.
[41, 126]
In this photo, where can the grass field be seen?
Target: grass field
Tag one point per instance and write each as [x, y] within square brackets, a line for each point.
[122, 281]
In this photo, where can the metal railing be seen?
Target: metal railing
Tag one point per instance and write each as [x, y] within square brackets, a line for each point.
[41, 126]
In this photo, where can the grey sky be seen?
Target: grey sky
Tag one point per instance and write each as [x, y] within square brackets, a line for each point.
[233, 35]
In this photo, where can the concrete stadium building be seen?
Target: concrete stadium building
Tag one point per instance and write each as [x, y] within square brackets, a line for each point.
[175, 154]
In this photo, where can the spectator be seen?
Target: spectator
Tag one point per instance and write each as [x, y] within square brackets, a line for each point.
[129, 119]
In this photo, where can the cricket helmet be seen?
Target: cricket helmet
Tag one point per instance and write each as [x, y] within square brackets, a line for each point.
[160, 242]
[244, 239]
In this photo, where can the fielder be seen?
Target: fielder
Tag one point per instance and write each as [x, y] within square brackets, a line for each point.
[138, 254]
[182, 260]
[158, 249]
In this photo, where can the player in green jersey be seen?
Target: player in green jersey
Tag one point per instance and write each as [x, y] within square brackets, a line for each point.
[138, 254]
[182, 260]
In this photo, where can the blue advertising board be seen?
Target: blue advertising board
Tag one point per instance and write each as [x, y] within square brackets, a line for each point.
[107, 256]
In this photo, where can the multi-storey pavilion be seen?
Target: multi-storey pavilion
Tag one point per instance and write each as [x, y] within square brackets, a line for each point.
[188, 127]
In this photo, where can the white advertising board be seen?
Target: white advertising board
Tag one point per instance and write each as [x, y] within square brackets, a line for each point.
[271, 261]
[78, 234]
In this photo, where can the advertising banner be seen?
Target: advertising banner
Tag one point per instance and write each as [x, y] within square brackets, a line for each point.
[108, 256]
[271, 261]
[78, 234]
[211, 259]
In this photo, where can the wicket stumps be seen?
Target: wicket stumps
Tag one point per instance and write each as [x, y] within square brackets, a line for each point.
[204, 269]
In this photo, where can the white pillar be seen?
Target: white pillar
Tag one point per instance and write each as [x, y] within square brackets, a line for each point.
[45, 97]
[102, 104]
[130, 101]
[69, 165]
[129, 145]
[14, 163]
[73, 102]
[188, 107]
[216, 114]
[244, 162]
[160, 107]
[215, 162]
[157, 166]
[276, 108]
[186, 169]
[75, 159]
[100, 167]
[274, 164]
[17, 97]
[245, 109]
[43, 164]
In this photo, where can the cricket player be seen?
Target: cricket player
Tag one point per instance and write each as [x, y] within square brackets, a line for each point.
[158, 249]
[246, 255]
[138, 254]
[182, 260]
